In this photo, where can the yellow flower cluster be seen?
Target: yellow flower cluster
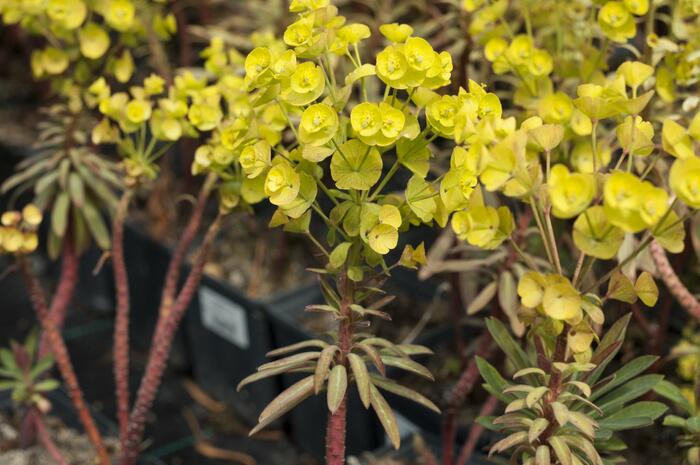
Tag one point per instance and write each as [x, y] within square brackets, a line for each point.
[18, 230]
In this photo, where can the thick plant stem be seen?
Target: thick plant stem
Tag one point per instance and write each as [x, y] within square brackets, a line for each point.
[45, 438]
[673, 283]
[335, 429]
[60, 354]
[64, 291]
[459, 393]
[173, 274]
[121, 324]
[158, 356]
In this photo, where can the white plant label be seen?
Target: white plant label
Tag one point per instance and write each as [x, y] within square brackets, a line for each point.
[224, 317]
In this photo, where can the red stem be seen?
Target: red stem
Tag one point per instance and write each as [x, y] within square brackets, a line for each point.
[336, 426]
[45, 438]
[60, 353]
[173, 274]
[459, 393]
[158, 356]
[673, 283]
[476, 431]
[121, 324]
[64, 291]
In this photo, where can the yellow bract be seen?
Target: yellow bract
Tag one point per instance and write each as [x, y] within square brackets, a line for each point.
[119, 14]
[68, 14]
[318, 125]
[570, 193]
[282, 183]
[94, 41]
[685, 180]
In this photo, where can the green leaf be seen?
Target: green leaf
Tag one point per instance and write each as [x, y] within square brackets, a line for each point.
[76, 189]
[507, 344]
[535, 395]
[386, 416]
[47, 385]
[392, 386]
[513, 440]
[41, 366]
[420, 196]
[299, 225]
[291, 361]
[674, 421]
[609, 347]
[491, 375]
[671, 392]
[363, 71]
[355, 165]
[634, 416]
[634, 389]
[59, 214]
[670, 233]
[96, 225]
[621, 288]
[561, 449]
[322, 366]
[337, 386]
[283, 403]
[257, 376]
[359, 370]
[373, 355]
[339, 255]
[408, 365]
[646, 289]
[414, 155]
[537, 428]
[299, 345]
[626, 373]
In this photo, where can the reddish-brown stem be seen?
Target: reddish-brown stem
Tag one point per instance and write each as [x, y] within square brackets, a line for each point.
[459, 393]
[60, 354]
[64, 291]
[45, 438]
[677, 289]
[555, 382]
[173, 274]
[121, 324]
[476, 431]
[158, 356]
[335, 428]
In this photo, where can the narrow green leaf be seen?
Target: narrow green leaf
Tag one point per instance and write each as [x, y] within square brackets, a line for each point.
[373, 355]
[359, 370]
[408, 365]
[59, 214]
[283, 403]
[299, 345]
[626, 373]
[395, 388]
[96, 225]
[615, 400]
[76, 189]
[561, 450]
[386, 416]
[538, 426]
[337, 387]
[507, 344]
[322, 366]
[671, 392]
[257, 376]
[291, 361]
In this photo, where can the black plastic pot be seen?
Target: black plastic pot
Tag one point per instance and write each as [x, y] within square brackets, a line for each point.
[63, 409]
[229, 335]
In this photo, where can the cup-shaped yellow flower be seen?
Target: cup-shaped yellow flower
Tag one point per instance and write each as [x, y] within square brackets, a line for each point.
[391, 66]
[120, 14]
[306, 84]
[684, 179]
[257, 65]
[205, 116]
[419, 53]
[676, 140]
[299, 33]
[366, 119]
[635, 72]
[561, 301]
[653, 203]
[540, 63]
[483, 226]
[382, 238]
[594, 235]
[555, 108]
[582, 156]
[255, 158]
[636, 136]
[440, 73]
[356, 165]
[622, 201]
[580, 338]
[318, 125]
[637, 7]
[441, 115]
[531, 289]
[94, 41]
[138, 111]
[68, 14]
[396, 32]
[282, 183]
[31, 215]
[54, 60]
[570, 193]
[616, 22]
